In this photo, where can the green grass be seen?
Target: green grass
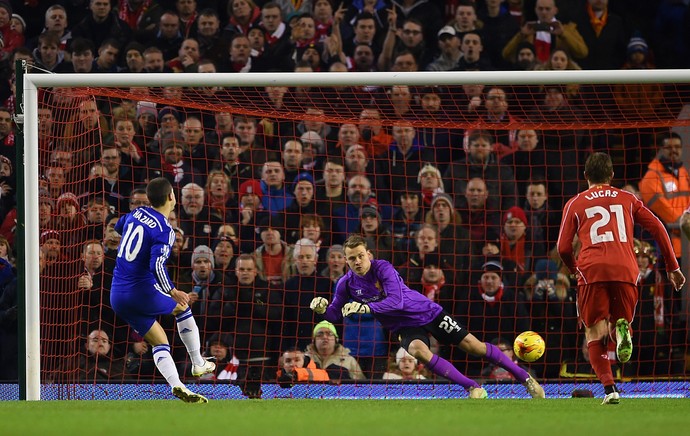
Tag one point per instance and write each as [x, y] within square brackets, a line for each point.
[555, 417]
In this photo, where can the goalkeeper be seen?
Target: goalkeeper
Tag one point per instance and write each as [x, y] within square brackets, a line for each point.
[377, 288]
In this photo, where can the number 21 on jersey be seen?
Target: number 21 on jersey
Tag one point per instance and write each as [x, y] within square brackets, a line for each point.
[603, 220]
[131, 242]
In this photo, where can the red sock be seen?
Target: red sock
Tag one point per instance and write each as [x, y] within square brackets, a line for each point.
[599, 359]
[611, 348]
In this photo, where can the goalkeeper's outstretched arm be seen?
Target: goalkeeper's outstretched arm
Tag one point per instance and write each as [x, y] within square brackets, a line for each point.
[332, 311]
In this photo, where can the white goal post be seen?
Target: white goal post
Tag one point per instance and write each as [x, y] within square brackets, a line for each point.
[31, 82]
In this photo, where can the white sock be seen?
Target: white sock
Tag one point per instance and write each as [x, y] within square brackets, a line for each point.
[164, 363]
[189, 333]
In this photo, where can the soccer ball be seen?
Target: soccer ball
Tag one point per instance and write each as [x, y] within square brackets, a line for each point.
[529, 346]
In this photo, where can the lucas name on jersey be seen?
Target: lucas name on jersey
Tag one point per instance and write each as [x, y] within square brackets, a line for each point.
[600, 194]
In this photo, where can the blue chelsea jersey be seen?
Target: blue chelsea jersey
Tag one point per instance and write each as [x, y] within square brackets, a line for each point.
[147, 239]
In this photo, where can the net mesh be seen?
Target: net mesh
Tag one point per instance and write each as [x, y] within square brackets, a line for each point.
[372, 160]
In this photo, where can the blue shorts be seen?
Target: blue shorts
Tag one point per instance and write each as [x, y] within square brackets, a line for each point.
[140, 308]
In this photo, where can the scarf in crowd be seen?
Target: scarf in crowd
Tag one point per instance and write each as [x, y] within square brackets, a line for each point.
[659, 301]
[432, 290]
[188, 24]
[8, 141]
[323, 30]
[543, 42]
[492, 299]
[597, 23]
[229, 372]
[203, 283]
[307, 43]
[275, 36]
[515, 252]
[428, 195]
[218, 204]
[242, 68]
[132, 16]
[174, 169]
[244, 28]
[656, 291]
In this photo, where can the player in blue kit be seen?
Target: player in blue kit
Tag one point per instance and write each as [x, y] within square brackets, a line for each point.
[142, 289]
[377, 288]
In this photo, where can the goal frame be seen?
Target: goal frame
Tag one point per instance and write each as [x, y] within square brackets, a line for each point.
[30, 385]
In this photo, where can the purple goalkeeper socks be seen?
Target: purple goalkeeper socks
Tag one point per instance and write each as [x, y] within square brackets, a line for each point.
[496, 356]
[444, 368]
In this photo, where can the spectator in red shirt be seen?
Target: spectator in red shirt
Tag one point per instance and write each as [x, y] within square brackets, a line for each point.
[271, 256]
[11, 39]
[516, 248]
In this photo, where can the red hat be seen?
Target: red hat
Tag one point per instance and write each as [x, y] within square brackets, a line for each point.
[50, 234]
[252, 186]
[515, 212]
[68, 197]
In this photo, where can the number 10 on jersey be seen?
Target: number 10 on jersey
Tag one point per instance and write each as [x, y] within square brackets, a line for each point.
[131, 242]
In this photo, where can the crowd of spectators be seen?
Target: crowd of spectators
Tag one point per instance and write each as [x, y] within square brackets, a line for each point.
[469, 217]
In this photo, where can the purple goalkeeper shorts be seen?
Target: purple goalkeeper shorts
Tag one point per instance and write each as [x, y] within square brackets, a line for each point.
[140, 309]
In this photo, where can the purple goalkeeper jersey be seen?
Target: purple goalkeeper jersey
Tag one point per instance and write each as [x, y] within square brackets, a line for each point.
[391, 302]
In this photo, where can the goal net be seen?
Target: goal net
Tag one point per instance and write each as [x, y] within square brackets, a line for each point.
[457, 179]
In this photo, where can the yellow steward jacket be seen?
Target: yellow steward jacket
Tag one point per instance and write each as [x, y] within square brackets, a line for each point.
[667, 196]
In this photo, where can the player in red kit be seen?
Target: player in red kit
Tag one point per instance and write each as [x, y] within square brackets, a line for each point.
[606, 267]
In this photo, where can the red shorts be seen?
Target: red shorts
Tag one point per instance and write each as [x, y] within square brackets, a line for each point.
[606, 300]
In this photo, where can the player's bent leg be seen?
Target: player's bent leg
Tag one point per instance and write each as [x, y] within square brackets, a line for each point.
[164, 362]
[179, 309]
[161, 355]
[624, 344]
[622, 313]
[189, 333]
[443, 368]
[497, 357]
[598, 331]
[156, 335]
[420, 351]
[472, 345]
[599, 359]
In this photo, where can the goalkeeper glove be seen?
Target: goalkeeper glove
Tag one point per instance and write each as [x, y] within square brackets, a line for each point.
[319, 305]
[355, 308]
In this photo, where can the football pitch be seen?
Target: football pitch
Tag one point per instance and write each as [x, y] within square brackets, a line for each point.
[576, 416]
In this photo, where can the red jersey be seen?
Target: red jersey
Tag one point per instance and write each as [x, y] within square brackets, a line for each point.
[603, 218]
